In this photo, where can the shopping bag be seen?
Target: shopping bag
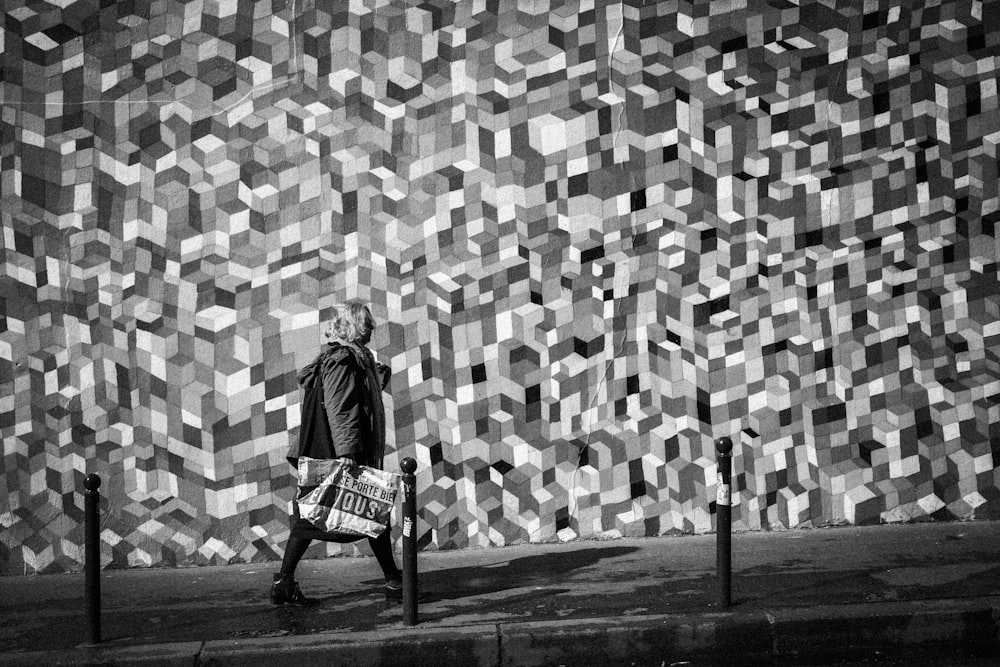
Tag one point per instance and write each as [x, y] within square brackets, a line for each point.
[343, 497]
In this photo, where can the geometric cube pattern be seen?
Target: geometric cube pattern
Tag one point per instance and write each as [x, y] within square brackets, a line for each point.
[599, 235]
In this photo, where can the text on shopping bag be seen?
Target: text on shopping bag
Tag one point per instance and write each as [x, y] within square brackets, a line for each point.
[352, 495]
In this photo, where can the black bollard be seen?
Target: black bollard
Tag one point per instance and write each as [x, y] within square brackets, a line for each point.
[92, 556]
[409, 466]
[724, 520]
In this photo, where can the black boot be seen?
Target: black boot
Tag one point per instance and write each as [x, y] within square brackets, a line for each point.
[285, 590]
[394, 590]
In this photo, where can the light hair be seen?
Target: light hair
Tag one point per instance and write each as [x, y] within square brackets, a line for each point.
[351, 322]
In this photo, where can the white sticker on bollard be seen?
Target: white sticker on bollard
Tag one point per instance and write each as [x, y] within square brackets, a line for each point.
[722, 493]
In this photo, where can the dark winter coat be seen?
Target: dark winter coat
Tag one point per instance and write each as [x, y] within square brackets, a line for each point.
[346, 381]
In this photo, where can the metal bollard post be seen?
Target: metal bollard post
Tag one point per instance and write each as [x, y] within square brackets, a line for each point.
[724, 520]
[92, 556]
[409, 467]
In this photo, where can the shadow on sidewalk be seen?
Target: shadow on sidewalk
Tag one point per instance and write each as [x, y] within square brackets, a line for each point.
[524, 572]
[534, 576]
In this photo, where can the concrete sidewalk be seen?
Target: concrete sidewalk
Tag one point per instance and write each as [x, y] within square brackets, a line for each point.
[882, 594]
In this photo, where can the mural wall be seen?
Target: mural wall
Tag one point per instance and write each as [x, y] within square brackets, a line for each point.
[600, 235]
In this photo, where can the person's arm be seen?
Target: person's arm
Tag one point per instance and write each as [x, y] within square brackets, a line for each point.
[342, 396]
[304, 376]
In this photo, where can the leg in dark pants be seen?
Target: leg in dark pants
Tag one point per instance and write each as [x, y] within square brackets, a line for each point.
[382, 548]
[285, 589]
[294, 550]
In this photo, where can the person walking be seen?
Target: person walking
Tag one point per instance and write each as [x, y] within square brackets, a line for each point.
[347, 382]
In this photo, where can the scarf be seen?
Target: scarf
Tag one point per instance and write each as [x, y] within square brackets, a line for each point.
[375, 405]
